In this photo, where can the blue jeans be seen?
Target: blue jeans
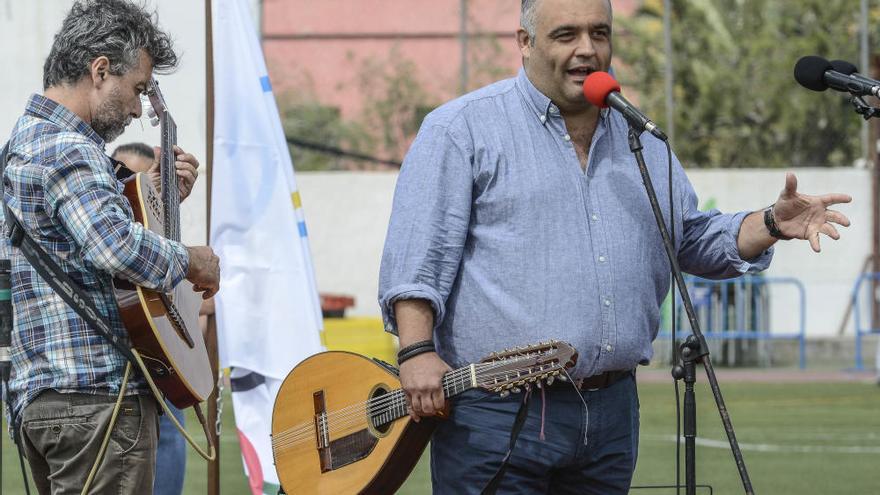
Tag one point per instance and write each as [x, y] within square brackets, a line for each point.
[170, 456]
[467, 449]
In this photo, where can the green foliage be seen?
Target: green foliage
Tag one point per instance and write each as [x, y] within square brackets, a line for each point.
[736, 101]
[307, 119]
[395, 101]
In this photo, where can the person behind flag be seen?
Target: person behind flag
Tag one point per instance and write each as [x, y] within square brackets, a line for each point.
[520, 216]
[62, 188]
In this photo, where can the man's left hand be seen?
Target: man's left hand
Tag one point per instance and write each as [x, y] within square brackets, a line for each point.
[187, 167]
[801, 216]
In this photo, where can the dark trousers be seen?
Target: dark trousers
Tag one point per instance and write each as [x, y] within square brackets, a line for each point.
[61, 435]
[584, 454]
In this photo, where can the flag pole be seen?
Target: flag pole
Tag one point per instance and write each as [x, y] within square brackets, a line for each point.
[211, 330]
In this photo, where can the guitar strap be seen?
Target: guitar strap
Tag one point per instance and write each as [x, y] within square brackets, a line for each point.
[61, 283]
[518, 423]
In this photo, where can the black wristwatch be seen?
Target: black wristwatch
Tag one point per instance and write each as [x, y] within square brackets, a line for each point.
[770, 222]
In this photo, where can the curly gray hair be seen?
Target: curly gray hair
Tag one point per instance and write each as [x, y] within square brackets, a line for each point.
[117, 29]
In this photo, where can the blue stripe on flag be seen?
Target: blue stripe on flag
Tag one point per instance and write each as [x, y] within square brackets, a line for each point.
[302, 229]
[267, 86]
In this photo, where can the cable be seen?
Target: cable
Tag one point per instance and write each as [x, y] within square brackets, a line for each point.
[106, 440]
[159, 398]
[673, 325]
[198, 410]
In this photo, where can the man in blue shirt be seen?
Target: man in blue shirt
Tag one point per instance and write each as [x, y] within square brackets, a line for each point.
[519, 217]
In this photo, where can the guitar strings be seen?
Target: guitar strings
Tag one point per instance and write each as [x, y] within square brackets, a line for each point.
[351, 417]
[380, 405]
[335, 428]
[458, 376]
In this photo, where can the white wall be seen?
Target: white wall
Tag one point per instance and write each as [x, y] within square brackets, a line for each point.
[27, 28]
[347, 215]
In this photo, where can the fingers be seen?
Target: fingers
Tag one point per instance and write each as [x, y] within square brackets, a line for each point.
[790, 184]
[836, 217]
[813, 237]
[835, 198]
[830, 231]
[183, 156]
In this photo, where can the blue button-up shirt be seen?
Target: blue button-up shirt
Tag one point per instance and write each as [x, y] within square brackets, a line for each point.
[496, 224]
[62, 187]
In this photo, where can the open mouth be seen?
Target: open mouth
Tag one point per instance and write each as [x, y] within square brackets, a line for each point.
[581, 72]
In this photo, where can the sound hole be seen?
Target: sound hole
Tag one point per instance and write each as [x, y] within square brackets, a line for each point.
[378, 412]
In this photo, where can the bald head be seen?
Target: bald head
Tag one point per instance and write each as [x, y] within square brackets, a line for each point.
[529, 13]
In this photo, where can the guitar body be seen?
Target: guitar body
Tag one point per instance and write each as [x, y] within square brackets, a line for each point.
[164, 328]
[356, 455]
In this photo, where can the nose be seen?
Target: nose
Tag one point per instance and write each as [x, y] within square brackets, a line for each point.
[585, 48]
[137, 108]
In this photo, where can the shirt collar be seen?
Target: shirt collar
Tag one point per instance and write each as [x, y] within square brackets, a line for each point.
[540, 103]
[45, 108]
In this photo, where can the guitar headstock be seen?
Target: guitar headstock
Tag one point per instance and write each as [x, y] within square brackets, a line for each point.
[511, 368]
[157, 101]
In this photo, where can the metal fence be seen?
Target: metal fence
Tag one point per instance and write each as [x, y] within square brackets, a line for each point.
[735, 317]
[862, 303]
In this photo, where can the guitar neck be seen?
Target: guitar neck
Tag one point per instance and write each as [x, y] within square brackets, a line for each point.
[454, 383]
[168, 170]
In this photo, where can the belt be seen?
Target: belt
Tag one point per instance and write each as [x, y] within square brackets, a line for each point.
[602, 380]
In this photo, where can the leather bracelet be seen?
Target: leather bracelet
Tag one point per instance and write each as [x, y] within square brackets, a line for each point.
[770, 223]
[414, 350]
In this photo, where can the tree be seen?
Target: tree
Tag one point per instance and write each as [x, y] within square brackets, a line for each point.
[736, 101]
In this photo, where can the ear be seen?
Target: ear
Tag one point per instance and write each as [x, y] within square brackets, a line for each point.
[524, 41]
[99, 69]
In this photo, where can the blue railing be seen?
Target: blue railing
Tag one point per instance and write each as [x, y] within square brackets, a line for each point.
[857, 315]
[739, 309]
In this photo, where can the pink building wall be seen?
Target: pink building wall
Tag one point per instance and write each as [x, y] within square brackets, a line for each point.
[319, 47]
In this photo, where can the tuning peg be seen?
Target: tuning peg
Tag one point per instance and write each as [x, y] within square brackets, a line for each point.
[150, 112]
[563, 378]
[516, 390]
[539, 384]
[154, 122]
[550, 380]
[504, 394]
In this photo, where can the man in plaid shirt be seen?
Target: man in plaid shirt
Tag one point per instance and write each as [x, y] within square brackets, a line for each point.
[62, 187]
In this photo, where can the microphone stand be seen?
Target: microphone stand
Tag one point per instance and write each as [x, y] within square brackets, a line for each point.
[693, 349]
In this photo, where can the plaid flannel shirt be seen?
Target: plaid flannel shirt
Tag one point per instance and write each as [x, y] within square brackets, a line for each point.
[61, 186]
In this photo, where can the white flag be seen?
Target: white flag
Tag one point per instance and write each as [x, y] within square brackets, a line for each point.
[268, 314]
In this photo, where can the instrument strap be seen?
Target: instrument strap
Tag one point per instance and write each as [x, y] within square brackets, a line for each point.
[61, 283]
[518, 423]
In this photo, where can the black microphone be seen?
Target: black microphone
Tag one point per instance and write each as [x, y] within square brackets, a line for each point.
[5, 317]
[818, 74]
[851, 70]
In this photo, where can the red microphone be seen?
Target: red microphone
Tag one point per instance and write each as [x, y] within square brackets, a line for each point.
[603, 91]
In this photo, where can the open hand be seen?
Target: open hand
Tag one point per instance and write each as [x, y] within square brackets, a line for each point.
[801, 216]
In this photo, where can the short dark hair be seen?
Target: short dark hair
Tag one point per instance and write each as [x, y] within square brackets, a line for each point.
[140, 149]
[117, 29]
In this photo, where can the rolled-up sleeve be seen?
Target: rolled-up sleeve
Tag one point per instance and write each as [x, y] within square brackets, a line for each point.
[429, 223]
[709, 246]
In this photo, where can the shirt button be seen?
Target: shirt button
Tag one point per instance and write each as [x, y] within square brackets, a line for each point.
[601, 259]
[608, 348]
[543, 118]
[607, 302]
[594, 216]
[566, 137]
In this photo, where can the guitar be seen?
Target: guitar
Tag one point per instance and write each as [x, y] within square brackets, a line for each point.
[164, 327]
[340, 423]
